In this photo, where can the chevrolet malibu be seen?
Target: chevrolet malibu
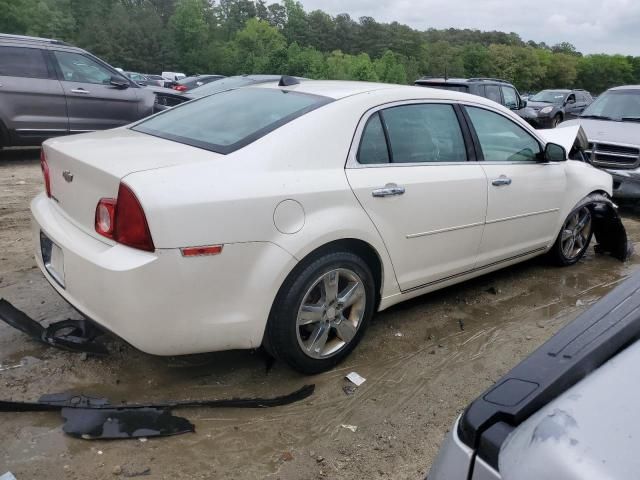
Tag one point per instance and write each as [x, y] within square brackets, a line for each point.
[286, 215]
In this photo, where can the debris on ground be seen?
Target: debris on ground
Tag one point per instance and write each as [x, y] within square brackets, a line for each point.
[356, 379]
[461, 324]
[92, 418]
[349, 389]
[70, 335]
[7, 476]
[398, 334]
[286, 457]
[353, 428]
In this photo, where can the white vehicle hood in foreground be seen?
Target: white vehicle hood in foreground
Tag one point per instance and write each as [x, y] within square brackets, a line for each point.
[589, 433]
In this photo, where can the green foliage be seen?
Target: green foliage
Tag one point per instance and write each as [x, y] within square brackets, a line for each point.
[270, 36]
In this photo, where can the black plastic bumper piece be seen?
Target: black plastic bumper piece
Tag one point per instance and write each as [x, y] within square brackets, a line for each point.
[609, 326]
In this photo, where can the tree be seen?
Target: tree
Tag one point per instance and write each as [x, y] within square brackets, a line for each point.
[259, 46]
[189, 31]
[389, 68]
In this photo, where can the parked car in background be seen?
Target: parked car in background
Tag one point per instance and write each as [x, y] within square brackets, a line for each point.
[569, 411]
[139, 78]
[612, 125]
[173, 76]
[500, 91]
[308, 198]
[157, 80]
[229, 83]
[189, 83]
[50, 88]
[548, 108]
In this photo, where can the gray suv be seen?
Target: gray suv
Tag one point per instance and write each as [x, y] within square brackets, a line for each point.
[49, 88]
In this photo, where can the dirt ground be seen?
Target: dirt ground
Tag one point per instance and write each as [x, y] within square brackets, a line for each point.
[424, 361]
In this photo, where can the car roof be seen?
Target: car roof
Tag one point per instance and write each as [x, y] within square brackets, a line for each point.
[29, 39]
[337, 89]
[460, 80]
[626, 87]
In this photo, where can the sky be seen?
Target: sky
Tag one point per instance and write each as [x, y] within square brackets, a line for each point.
[593, 26]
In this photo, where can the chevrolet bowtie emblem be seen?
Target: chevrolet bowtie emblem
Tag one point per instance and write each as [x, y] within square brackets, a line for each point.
[68, 176]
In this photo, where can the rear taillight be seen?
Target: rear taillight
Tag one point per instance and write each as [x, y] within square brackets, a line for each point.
[123, 220]
[45, 172]
[180, 88]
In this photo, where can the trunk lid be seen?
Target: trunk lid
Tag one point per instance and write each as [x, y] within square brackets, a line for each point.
[85, 168]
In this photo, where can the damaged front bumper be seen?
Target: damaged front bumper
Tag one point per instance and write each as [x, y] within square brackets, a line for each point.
[611, 236]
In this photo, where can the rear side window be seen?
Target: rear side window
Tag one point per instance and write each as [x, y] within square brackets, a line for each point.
[373, 146]
[424, 133]
[230, 120]
[23, 62]
[510, 97]
[492, 92]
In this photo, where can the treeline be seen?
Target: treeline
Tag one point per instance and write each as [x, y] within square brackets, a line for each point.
[246, 36]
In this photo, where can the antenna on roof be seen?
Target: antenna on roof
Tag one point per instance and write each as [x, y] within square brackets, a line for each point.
[287, 81]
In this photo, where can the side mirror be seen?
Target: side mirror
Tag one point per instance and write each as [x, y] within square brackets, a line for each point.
[523, 102]
[554, 153]
[119, 82]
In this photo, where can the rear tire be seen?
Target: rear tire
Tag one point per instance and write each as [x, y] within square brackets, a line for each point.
[574, 237]
[321, 312]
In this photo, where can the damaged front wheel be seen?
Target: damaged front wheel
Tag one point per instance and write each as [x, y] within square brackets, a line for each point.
[574, 237]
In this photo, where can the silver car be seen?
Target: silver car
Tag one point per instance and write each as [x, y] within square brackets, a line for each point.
[569, 411]
[49, 88]
[612, 124]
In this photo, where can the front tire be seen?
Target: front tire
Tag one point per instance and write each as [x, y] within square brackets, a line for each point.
[556, 120]
[574, 237]
[321, 312]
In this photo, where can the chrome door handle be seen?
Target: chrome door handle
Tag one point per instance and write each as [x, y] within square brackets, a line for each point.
[388, 190]
[80, 90]
[501, 180]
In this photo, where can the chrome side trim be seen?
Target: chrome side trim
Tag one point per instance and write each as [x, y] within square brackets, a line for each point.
[81, 131]
[523, 215]
[444, 230]
[40, 130]
[473, 270]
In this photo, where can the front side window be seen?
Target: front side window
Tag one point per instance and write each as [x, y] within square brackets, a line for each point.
[229, 120]
[424, 133]
[23, 62]
[501, 139]
[510, 98]
[81, 69]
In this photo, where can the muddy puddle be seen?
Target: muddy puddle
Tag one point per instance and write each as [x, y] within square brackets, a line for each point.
[423, 361]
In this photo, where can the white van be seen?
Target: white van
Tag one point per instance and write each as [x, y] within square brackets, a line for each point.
[173, 76]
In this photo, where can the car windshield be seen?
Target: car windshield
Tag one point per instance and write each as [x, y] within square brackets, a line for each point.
[221, 86]
[619, 105]
[230, 120]
[548, 96]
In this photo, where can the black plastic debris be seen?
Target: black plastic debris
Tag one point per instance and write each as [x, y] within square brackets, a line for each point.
[70, 335]
[89, 417]
[608, 229]
[92, 423]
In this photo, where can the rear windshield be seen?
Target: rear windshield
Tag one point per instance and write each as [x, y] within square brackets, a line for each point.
[230, 120]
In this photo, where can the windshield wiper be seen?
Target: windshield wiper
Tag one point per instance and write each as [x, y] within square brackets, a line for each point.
[630, 119]
[599, 117]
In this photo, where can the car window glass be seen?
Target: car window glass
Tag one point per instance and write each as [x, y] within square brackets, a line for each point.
[22, 62]
[501, 139]
[424, 133]
[373, 146]
[78, 68]
[230, 120]
[510, 97]
[493, 93]
[571, 98]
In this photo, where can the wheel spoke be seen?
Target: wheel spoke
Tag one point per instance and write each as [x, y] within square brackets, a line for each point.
[579, 242]
[345, 330]
[568, 249]
[584, 220]
[310, 314]
[350, 295]
[330, 286]
[318, 338]
[566, 233]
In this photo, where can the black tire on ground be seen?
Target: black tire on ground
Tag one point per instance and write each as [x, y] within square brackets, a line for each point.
[575, 235]
[283, 335]
[556, 120]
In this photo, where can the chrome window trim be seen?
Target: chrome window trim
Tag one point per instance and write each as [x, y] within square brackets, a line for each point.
[352, 160]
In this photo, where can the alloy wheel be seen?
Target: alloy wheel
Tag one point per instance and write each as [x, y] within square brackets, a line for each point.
[575, 233]
[331, 313]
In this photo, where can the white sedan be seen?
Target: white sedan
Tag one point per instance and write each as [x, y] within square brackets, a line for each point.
[285, 216]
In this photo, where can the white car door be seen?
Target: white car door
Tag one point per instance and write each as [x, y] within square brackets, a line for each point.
[412, 175]
[524, 193]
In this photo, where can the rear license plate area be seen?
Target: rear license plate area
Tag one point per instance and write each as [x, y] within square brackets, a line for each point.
[52, 258]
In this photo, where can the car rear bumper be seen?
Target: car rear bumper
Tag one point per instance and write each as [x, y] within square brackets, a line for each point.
[161, 302]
